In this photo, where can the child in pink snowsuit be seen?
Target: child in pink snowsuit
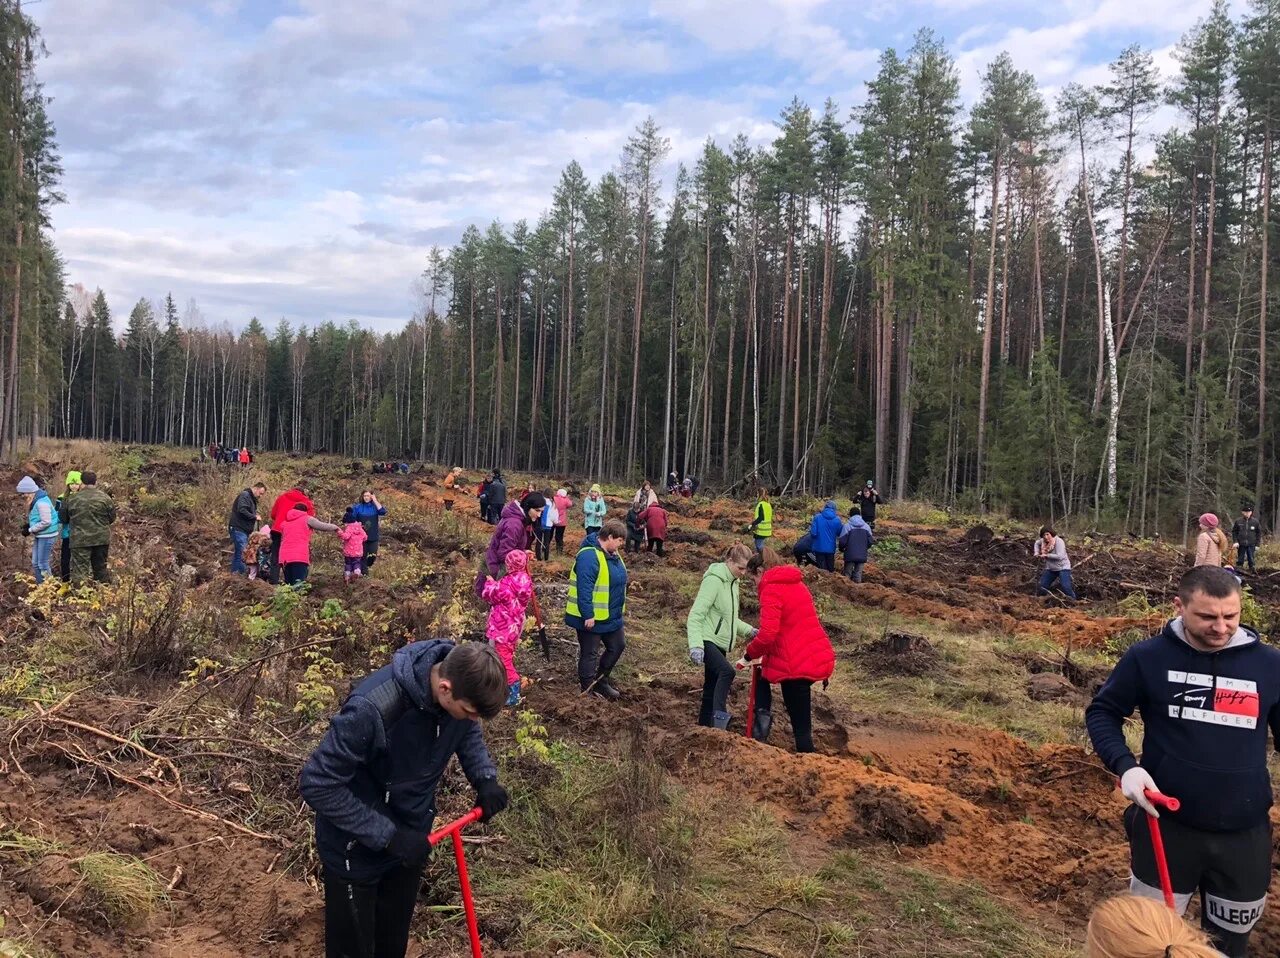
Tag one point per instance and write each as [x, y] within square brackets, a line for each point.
[352, 535]
[509, 597]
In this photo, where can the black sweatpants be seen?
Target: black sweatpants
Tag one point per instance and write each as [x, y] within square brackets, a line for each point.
[590, 662]
[64, 560]
[276, 538]
[825, 560]
[795, 696]
[542, 543]
[369, 555]
[559, 532]
[717, 677]
[655, 543]
[370, 920]
[1231, 870]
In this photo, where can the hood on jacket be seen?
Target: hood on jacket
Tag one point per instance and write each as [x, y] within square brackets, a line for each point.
[857, 522]
[296, 515]
[411, 665]
[830, 510]
[512, 510]
[720, 570]
[1243, 636]
[517, 560]
[592, 540]
[785, 574]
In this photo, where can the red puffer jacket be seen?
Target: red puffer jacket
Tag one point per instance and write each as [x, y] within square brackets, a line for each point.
[791, 640]
[284, 503]
[654, 520]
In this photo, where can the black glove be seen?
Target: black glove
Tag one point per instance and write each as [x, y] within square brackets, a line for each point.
[410, 847]
[26, 529]
[491, 797]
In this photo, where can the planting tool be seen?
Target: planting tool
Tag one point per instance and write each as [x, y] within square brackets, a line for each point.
[751, 700]
[543, 642]
[1157, 843]
[454, 830]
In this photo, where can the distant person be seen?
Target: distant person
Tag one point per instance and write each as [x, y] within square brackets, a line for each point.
[791, 646]
[242, 522]
[257, 553]
[454, 478]
[279, 510]
[712, 627]
[545, 527]
[244, 457]
[868, 499]
[1057, 565]
[856, 540]
[91, 514]
[1247, 534]
[497, 497]
[644, 497]
[1131, 927]
[825, 529]
[563, 504]
[42, 525]
[372, 783]
[482, 496]
[508, 600]
[635, 529]
[1212, 547]
[802, 551]
[367, 512]
[295, 542]
[654, 520]
[594, 509]
[762, 526]
[514, 531]
[686, 488]
[673, 483]
[353, 538]
[64, 555]
[596, 607]
[1208, 691]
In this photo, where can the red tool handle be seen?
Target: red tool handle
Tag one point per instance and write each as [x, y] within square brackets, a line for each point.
[1157, 844]
[1162, 800]
[751, 703]
[454, 831]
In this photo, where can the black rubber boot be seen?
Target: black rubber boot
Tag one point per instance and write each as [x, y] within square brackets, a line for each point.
[763, 725]
[605, 690]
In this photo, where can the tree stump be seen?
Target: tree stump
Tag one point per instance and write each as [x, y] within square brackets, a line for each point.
[907, 643]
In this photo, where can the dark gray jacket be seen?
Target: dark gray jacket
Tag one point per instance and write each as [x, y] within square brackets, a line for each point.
[378, 766]
[244, 512]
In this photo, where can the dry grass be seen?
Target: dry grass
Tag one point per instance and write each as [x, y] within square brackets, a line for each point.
[129, 889]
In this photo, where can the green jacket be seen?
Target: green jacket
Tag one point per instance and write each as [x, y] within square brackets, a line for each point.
[90, 512]
[714, 616]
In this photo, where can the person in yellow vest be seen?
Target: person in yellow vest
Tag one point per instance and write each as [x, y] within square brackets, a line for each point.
[762, 527]
[596, 606]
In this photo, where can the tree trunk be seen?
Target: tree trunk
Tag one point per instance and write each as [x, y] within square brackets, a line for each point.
[987, 310]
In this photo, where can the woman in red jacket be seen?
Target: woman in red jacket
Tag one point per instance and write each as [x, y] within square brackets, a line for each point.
[792, 645]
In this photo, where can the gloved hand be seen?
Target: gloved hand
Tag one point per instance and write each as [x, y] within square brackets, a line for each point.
[26, 529]
[412, 848]
[491, 798]
[754, 633]
[696, 656]
[1135, 783]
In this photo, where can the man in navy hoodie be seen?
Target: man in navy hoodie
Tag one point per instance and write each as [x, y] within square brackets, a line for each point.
[372, 782]
[1207, 690]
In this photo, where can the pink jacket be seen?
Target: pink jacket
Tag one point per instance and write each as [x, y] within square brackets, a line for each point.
[295, 535]
[563, 505]
[353, 537]
[509, 597]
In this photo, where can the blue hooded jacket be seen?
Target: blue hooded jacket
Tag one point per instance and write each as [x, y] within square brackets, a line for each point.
[856, 539]
[585, 568]
[825, 529]
[367, 514]
[1205, 718]
[365, 779]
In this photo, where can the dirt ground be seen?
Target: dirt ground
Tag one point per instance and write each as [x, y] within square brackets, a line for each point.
[1038, 827]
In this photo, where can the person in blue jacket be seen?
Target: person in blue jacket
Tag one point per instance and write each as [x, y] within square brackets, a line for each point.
[825, 529]
[1207, 690]
[367, 512]
[856, 540]
[596, 606]
[372, 783]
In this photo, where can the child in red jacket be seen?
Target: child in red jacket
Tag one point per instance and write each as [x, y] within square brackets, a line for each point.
[508, 599]
[792, 645]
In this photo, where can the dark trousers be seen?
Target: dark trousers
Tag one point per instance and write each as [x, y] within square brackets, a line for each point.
[559, 533]
[825, 560]
[90, 562]
[295, 573]
[853, 570]
[64, 560]
[795, 696]
[589, 652]
[274, 577]
[542, 543]
[1245, 556]
[635, 541]
[370, 920]
[370, 555]
[655, 545]
[717, 677]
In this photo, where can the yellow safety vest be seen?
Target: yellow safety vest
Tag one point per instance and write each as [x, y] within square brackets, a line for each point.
[599, 593]
[764, 528]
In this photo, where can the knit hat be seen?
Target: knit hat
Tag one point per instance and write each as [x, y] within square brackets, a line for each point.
[562, 492]
[533, 500]
[1209, 520]
[73, 478]
[265, 531]
[596, 488]
[28, 485]
[871, 483]
[517, 560]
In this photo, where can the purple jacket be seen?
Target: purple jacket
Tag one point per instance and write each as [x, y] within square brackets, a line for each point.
[512, 533]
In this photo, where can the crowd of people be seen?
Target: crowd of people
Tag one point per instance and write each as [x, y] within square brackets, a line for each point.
[227, 455]
[79, 520]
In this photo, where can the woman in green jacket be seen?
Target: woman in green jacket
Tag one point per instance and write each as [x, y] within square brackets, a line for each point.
[713, 625]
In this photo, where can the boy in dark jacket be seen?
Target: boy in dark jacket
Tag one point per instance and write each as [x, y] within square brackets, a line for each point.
[242, 523]
[856, 540]
[1207, 690]
[1246, 534]
[635, 530]
[372, 783]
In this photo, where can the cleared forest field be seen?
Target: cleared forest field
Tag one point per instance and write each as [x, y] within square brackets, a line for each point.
[151, 733]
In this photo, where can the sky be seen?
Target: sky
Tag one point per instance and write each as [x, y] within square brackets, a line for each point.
[297, 159]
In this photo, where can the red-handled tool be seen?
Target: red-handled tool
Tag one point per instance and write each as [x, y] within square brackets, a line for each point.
[454, 830]
[751, 702]
[1157, 843]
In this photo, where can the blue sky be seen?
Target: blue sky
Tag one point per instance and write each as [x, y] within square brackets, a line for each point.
[297, 158]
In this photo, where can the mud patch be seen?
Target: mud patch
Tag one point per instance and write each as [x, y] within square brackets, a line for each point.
[899, 653]
[884, 814]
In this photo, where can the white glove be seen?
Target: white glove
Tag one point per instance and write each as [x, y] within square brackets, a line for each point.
[696, 655]
[1135, 783]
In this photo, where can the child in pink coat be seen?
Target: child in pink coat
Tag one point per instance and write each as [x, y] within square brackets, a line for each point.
[353, 536]
[509, 597]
